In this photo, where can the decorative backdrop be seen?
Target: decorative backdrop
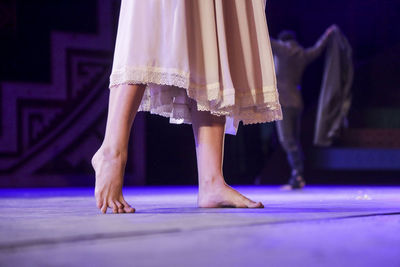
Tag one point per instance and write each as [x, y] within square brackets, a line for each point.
[55, 59]
[49, 131]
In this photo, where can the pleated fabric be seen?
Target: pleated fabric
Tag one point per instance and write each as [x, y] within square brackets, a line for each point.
[215, 52]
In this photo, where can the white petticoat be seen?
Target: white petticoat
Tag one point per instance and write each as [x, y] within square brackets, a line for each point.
[216, 52]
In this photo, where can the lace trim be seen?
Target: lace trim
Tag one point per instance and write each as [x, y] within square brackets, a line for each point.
[178, 78]
[146, 75]
[249, 117]
[252, 106]
[161, 76]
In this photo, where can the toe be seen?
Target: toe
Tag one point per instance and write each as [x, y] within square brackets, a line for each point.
[132, 210]
[252, 204]
[112, 205]
[256, 205]
[99, 203]
[127, 207]
[121, 210]
[248, 202]
[118, 204]
[104, 208]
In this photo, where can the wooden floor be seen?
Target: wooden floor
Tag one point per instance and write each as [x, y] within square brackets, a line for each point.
[319, 226]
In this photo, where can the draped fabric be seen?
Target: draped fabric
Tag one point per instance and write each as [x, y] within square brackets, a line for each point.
[335, 97]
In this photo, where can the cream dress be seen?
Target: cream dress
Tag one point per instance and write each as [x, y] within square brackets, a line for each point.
[216, 52]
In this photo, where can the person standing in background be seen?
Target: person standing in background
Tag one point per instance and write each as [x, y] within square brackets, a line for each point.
[291, 60]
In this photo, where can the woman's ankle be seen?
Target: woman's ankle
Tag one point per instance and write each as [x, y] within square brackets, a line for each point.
[109, 152]
[210, 182]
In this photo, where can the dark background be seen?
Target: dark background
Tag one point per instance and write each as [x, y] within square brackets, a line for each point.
[168, 156]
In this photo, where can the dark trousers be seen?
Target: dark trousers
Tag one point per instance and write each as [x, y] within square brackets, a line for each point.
[289, 137]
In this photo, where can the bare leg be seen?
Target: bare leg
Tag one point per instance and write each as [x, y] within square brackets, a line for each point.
[213, 191]
[109, 161]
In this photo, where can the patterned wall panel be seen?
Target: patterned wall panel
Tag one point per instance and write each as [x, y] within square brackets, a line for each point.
[48, 132]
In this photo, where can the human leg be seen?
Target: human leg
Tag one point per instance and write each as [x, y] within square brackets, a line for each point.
[109, 161]
[289, 137]
[209, 133]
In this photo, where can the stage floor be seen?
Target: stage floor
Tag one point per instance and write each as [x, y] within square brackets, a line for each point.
[319, 226]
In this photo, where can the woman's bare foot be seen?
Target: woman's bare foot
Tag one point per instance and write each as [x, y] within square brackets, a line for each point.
[221, 195]
[109, 167]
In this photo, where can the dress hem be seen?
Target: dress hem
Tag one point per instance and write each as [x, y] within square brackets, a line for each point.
[252, 107]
